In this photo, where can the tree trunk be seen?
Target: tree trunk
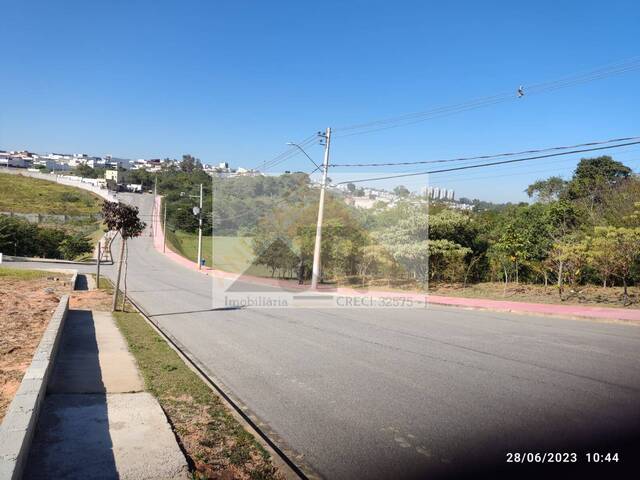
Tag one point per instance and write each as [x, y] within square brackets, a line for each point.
[506, 279]
[115, 291]
[124, 277]
[625, 296]
[560, 279]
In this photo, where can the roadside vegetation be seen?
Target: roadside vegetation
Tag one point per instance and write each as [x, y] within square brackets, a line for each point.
[215, 443]
[22, 238]
[575, 233]
[21, 194]
[62, 221]
[231, 254]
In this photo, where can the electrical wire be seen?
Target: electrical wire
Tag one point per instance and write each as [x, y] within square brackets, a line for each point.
[411, 118]
[501, 162]
[484, 157]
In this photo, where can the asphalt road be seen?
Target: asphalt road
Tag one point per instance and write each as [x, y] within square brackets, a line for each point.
[404, 393]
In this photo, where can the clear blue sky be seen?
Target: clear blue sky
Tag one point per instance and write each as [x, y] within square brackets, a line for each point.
[235, 80]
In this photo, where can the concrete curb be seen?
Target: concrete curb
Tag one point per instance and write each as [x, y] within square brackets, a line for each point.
[18, 426]
[11, 258]
[74, 280]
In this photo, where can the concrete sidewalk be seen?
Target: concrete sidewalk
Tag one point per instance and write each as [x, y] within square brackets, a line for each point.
[97, 421]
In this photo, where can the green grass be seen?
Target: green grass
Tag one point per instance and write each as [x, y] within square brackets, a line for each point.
[18, 273]
[231, 254]
[211, 436]
[22, 194]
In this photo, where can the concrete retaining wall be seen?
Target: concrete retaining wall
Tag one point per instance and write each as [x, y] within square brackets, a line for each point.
[18, 426]
[53, 218]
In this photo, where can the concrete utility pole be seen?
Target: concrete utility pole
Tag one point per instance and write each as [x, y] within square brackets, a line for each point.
[153, 207]
[200, 231]
[99, 259]
[164, 228]
[316, 274]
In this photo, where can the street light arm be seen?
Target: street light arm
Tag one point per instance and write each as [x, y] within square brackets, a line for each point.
[318, 167]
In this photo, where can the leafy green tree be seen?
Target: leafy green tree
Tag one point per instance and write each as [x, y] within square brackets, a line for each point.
[625, 242]
[74, 246]
[602, 256]
[190, 163]
[594, 179]
[547, 190]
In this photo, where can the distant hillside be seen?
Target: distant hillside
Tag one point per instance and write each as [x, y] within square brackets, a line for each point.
[22, 194]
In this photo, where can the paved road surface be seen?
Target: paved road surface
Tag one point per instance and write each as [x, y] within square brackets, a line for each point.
[401, 393]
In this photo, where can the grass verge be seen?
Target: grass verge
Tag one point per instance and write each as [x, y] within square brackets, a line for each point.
[20, 274]
[231, 254]
[24, 194]
[215, 443]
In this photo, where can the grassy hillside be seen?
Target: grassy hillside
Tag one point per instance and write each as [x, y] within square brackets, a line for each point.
[232, 254]
[31, 195]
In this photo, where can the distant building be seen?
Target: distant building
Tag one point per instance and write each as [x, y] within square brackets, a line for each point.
[113, 175]
[437, 193]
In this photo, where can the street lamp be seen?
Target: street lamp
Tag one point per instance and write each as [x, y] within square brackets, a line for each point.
[197, 211]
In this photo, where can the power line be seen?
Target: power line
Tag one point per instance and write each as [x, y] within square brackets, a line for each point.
[411, 118]
[484, 157]
[502, 162]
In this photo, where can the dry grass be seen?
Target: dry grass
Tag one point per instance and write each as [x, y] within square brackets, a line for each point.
[27, 301]
[215, 443]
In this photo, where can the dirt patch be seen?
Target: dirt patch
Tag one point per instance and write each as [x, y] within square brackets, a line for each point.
[26, 305]
[90, 300]
[587, 295]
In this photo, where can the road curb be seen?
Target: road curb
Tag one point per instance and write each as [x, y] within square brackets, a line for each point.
[18, 426]
[281, 454]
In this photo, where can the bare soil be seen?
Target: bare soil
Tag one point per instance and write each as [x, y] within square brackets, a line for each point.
[587, 295]
[90, 300]
[572, 295]
[26, 305]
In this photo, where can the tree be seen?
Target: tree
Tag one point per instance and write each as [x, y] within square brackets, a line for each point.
[427, 247]
[351, 187]
[568, 257]
[401, 191]
[594, 178]
[190, 163]
[122, 219]
[547, 190]
[74, 246]
[601, 256]
[625, 242]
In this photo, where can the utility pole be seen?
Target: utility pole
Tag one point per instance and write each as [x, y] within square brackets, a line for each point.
[200, 231]
[164, 228]
[153, 208]
[316, 273]
[99, 259]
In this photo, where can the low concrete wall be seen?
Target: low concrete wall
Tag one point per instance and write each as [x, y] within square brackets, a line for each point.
[74, 280]
[53, 218]
[12, 258]
[18, 426]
